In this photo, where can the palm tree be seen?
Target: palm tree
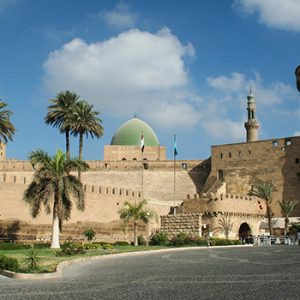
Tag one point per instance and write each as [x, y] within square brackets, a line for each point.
[60, 113]
[85, 121]
[225, 224]
[54, 188]
[264, 192]
[135, 212]
[287, 207]
[7, 129]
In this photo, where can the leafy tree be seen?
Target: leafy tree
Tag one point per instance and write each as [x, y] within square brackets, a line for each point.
[264, 191]
[7, 129]
[89, 233]
[60, 112]
[136, 212]
[54, 188]
[225, 225]
[86, 122]
[287, 206]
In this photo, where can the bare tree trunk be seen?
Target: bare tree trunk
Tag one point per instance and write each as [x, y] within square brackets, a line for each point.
[135, 233]
[55, 231]
[80, 152]
[269, 216]
[67, 144]
[286, 221]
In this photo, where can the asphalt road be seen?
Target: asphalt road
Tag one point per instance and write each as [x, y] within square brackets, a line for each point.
[271, 272]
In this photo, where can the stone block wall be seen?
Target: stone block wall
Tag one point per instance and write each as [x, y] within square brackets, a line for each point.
[189, 224]
[275, 161]
[115, 153]
[27, 232]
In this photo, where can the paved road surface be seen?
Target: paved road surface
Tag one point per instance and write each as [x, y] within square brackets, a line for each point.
[271, 272]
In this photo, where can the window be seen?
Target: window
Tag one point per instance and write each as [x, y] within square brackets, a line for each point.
[275, 144]
[220, 174]
[184, 166]
[240, 153]
[282, 148]
[146, 166]
[298, 176]
[297, 160]
[221, 155]
[123, 158]
[249, 151]
[230, 154]
[288, 142]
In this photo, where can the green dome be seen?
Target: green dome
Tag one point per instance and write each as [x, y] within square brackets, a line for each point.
[129, 134]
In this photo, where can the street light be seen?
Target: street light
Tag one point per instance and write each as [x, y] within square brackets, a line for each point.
[297, 73]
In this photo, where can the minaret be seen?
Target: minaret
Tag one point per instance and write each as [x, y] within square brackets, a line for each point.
[251, 125]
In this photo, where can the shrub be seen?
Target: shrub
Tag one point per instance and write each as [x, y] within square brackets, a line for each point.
[179, 239]
[201, 242]
[223, 242]
[8, 263]
[159, 239]
[41, 246]
[32, 261]
[107, 246]
[71, 249]
[90, 233]
[121, 243]
[142, 240]
[90, 246]
[13, 246]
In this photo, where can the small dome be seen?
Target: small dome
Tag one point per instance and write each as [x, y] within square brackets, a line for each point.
[129, 134]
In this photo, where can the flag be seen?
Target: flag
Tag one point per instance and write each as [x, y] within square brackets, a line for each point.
[142, 142]
[175, 147]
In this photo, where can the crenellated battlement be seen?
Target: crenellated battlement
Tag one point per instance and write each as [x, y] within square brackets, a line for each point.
[218, 204]
[12, 178]
[220, 197]
[102, 165]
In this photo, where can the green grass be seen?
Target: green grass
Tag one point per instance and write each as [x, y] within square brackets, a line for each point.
[48, 260]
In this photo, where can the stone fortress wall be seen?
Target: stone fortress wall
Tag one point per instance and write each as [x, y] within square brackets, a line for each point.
[116, 153]
[211, 187]
[107, 186]
[275, 161]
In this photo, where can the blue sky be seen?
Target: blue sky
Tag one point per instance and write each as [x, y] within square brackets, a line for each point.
[182, 66]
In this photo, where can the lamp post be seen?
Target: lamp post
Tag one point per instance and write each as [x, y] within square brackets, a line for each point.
[297, 73]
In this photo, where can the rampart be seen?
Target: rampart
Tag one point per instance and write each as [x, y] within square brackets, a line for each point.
[189, 224]
[275, 161]
[234, 204]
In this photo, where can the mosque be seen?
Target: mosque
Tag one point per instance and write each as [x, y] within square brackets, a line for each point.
[207, 192]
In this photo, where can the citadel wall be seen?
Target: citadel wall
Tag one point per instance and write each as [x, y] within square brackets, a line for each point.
[276, 161]
[107, 186]
[116, 153]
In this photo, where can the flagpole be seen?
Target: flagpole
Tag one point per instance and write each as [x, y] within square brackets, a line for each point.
[142, 145]
[174, 185]
[142, 175]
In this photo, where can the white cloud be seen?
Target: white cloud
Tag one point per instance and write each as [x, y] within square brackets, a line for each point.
[282, 14]
[134, 72]
[225, 129]
[297, 133]
[121, 17]
[226, 107]
[229, 84]
[237, 84]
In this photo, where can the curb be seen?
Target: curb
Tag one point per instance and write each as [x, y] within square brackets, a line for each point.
[63, 264]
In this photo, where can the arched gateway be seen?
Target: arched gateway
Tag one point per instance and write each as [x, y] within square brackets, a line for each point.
[245, 230]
